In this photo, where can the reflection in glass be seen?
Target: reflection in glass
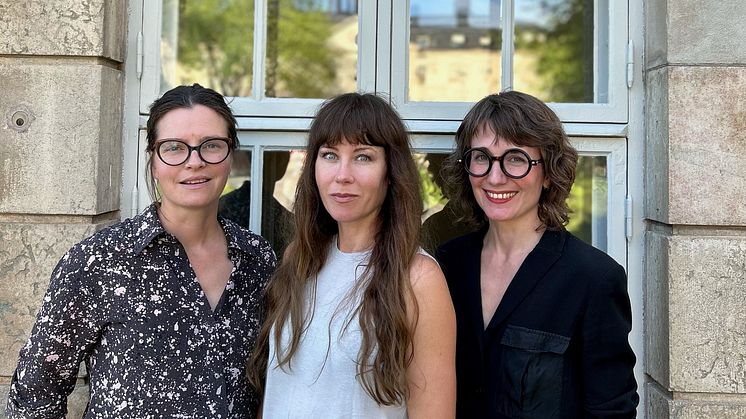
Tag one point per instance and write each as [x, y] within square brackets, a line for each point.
[236, 199]
[454, 50]
[588, 201]
[209, 42]
[276, 211]
[311, 48]
[554, 50]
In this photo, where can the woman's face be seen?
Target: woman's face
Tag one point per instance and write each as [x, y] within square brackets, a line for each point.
[352, 182]
[193, 184]
[502, 198]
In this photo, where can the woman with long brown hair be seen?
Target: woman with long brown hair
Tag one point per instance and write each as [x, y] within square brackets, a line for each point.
[359, 321]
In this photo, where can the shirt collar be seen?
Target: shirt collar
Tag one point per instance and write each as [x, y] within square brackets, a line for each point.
[149, 226]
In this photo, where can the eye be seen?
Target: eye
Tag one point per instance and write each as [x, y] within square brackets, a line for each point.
[172, 147]
[214, 145]
[516, 158]
[327, 155]
[363, 157]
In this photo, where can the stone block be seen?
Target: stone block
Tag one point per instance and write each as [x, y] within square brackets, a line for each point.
[657, 333]
[656, 145]
[28, 254]
[701, 302]
[61, 137]
[662, 405]
[695, 151]
[695, 32]
[76, 403]
[95, 28]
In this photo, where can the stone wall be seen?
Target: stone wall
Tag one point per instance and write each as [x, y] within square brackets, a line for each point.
[695, 314]
[60, 148]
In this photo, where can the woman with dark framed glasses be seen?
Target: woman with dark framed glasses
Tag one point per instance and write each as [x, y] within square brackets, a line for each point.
[542, 318]
[163, 308]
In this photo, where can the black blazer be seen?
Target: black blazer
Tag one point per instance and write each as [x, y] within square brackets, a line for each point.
[556, 346]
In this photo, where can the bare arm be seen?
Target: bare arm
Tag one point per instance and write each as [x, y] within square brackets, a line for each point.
[432, 373]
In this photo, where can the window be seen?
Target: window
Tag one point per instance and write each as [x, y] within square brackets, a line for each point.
[279, 59]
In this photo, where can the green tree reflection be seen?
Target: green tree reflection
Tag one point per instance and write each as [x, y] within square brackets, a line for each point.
[216, 37]
[564, 48]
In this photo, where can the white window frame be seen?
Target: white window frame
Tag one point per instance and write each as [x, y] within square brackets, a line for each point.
[614, 111]
[257, 105]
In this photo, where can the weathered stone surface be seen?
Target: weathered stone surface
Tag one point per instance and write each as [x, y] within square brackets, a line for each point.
[701, 302]
[695, 151]
[28, 254]
[695, 32]
[656, 146]
[75, 403]
[707, 151]
[657, 333]
[662, 406]
[66, 157]
[63, 27]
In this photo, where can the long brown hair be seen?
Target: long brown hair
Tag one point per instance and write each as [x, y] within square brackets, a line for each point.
[524, 121]
[387, 334]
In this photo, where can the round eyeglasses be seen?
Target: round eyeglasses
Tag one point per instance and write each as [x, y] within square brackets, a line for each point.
[176, 152]
[515, 163]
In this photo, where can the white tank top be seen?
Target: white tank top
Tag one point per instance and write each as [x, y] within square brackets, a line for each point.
[321, 381]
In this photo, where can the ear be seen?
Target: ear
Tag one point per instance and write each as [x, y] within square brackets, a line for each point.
[546, 183]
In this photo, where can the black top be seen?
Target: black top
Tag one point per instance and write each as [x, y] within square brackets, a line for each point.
[556, 346]
[127, 302]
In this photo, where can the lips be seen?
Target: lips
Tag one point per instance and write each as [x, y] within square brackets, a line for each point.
[343, 197]
[195, 180]
[500, 197]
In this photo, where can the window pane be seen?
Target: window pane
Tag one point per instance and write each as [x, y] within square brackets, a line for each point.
[278, 189]
[555, 47]
[454, 50]
[209, 42]
[311, 48]
[235, 203]
[588, 202]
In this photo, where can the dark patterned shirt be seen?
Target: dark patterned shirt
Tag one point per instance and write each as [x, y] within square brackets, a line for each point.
[127, 302]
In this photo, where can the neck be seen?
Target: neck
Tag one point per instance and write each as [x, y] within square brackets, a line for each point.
[190, 227]
[513, 238]
[356, 238]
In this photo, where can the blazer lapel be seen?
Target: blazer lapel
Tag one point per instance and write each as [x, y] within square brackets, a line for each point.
[531, 272]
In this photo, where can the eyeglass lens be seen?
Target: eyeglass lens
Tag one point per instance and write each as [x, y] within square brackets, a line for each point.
[514, 163]
[176, 152]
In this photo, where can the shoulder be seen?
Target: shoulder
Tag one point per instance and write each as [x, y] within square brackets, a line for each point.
[455, 248]
[589, 258]
[249, 242]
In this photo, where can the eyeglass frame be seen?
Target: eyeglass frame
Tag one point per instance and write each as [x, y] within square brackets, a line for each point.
[492, 159]
[197, 148]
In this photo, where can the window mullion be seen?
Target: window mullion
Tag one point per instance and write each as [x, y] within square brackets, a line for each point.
[259, 49]
[508, 46]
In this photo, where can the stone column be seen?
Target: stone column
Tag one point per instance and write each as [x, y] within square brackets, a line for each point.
[695, 303]
[61, 92]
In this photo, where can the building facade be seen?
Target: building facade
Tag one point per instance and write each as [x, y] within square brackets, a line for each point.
[654, 98]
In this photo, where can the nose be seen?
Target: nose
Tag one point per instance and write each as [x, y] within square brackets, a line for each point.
[194, 159]
[496, 175]
[344, 173]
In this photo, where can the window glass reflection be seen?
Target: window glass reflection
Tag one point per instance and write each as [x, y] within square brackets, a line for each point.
[209, 42]
[454, 50]
[554, 50]
[311, 48]
[235, 201]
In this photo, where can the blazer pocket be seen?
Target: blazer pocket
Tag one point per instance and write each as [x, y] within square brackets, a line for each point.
[531, 373]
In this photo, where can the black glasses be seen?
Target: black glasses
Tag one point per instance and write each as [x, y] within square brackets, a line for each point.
[515, 163]
[176, 152]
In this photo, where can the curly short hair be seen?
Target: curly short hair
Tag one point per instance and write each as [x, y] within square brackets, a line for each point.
[524, 121]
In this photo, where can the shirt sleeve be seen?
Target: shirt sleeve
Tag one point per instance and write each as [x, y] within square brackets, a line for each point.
[608, 361]
[65, 331]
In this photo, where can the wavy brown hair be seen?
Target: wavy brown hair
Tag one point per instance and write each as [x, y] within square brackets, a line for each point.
[387, 332]
[524, 121]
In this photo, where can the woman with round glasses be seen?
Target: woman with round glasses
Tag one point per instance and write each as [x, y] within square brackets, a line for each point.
[542, 318]
[163, 308]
